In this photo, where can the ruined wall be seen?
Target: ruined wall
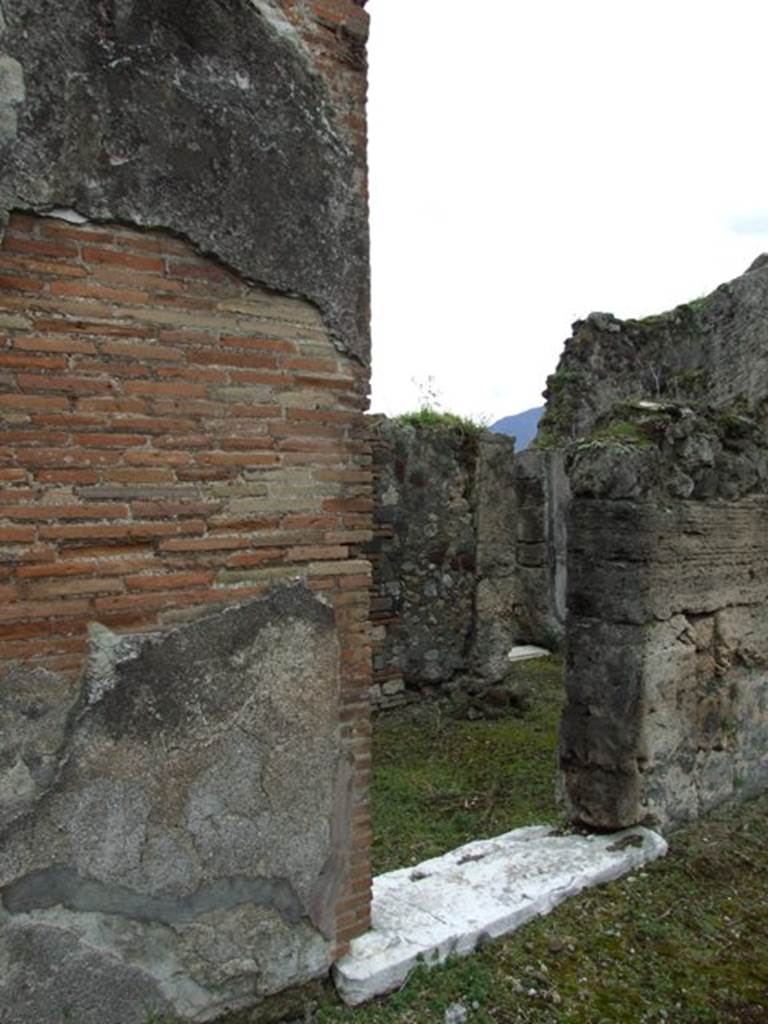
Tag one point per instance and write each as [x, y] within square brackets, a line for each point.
[443, 556]
[184, 650]
[667, 664]
[711, 350]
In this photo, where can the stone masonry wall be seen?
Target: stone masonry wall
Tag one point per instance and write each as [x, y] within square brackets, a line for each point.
[667, 664]
[667, 649]
[185, 489]
[443, 557]
[711, 350]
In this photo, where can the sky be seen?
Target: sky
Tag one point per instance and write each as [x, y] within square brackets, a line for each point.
[533, 162]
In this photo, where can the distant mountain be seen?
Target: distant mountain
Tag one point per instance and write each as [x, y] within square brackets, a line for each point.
[523, 426]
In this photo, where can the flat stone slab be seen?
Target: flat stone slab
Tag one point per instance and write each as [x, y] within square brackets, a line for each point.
[527, 652]
[447, 905]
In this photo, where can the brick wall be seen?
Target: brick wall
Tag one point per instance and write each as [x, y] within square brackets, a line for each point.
[173, 439]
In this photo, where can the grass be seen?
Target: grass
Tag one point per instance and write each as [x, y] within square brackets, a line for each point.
[683, 941]
[430, 418]
[439, 782]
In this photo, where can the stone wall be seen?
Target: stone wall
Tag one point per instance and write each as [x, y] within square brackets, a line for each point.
[711, 350]
[667, 648]
[667, 662]
[443, 557]
[185, 477]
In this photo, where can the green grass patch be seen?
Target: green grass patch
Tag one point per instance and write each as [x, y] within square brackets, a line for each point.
[683, 941]
[439, 782]
[433, 419]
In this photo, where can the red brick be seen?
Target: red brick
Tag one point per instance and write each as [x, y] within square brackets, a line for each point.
[170, 581]
[193, 374]
[204, 544]
[240, 409]
[164, 388]
[23, 224]
[324, 415]
[110, 368]
[61, 229]
[249, 443]
[12, 401]
[251, 558]
[108, 554]
[311, 554]
[32, 362]
[54, 512]
[130, 351]
[72, 385]
[149, 457]
[61, 587]
[61, 249]
[109, 440]
[102, 566]
[160, 509]
[20, 284]
[138, 476]
[91, 327]
[256, 342]
[42, 610]
[115, 531]
[239, 458]
[17, 534]
[81, 290]
[63, 457]
[110, 406]
[17, 262]
[148, 264]
[188, 337]
[33, 436]
[225, 358]
[20, 631]
[348, 505]
[125, 277]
